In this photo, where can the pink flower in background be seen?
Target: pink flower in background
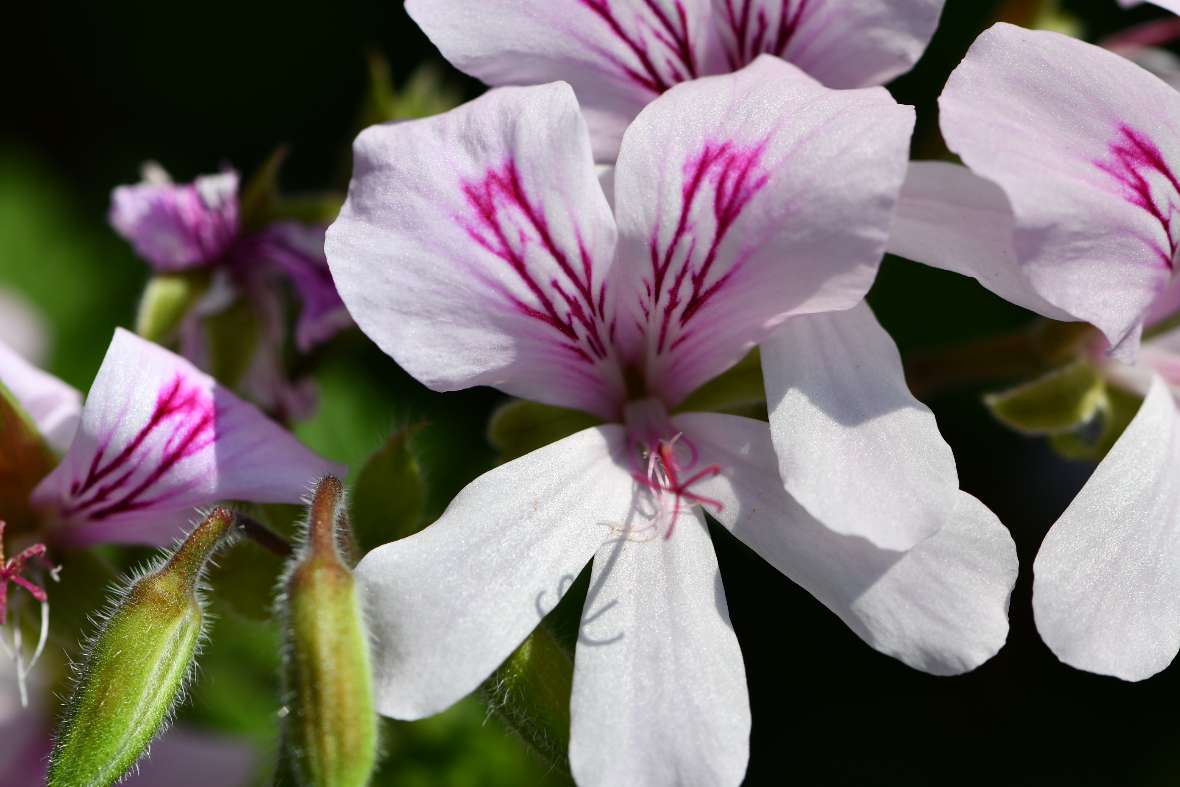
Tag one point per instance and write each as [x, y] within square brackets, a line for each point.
[1170, 5]
[179, 227]
[749, 208]
[155, 439]
[620, 54]
[1073, 213]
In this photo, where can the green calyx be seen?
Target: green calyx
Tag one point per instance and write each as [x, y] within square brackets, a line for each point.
[137, 667]
[331, 726]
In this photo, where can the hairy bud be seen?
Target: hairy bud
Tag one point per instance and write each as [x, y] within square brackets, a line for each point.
[137, 667]
[331, 733]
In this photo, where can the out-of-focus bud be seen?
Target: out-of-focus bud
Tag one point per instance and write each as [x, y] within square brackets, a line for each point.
[331, 732]
[136, 669]
[166, 301]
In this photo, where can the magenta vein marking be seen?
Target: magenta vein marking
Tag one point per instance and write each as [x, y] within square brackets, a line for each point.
[1133, 157]
[752, 30]
[679, 60]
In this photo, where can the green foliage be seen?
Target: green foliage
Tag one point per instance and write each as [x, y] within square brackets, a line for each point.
[1092, 444]
[137, 667]
[331, 727]
[1059, 402]
[739, 390]
[388, 498]
[425, 93]
[519, 427]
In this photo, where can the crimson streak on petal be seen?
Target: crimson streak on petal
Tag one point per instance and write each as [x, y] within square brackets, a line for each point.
[507, 224]
[184, 419]
[1141, 173]
[684, 272]
[752, 31]
[656, 68]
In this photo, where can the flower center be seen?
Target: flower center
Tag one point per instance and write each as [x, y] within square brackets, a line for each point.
[666, 466]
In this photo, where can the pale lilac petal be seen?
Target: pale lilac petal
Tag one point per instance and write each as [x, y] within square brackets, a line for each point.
[157, 438]
[617, 54]
[842, 43]
[1169, 5]
[449, 604]
[950, 218]
[854, 446]
[742, 200]
[1106, 582]
[941, 607]
[1086, 146]
[53, 406]
[474, 247]
[659, 685]
[178, 226]
[185, 757]
[298, 251]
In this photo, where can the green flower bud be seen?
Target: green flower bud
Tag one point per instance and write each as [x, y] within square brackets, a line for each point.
[166, 301]
[136, 669]
[331, 727]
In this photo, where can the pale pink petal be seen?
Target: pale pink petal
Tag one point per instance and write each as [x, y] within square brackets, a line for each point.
[53, 406]
[23, 326]
[941, 607]
[1086, 146]
[157, 438]
[854, 446]
[742, 200]
[842, 43]
[474, 247]
[1170, 5]
[449, 604]
[178, 226]
[950, 218]
[1106, 582]
[659, 686]
[617, 54]
[186, 757]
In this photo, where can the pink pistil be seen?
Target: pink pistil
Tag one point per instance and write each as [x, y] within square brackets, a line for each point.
[11, 570]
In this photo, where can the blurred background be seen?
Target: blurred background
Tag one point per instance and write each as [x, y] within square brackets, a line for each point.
[93, 90]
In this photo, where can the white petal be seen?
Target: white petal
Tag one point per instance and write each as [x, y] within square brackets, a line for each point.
[1106, 588]
[659, 685]
[854, 446]
[941, 607]
[158, 438]
[449, 604]
[742, 200]
[1086, 145]
[617, 54]
[842, 43]
[951, 218]
[474, 248]
[53, 406]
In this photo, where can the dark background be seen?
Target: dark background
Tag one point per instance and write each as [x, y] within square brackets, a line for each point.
[91, 90]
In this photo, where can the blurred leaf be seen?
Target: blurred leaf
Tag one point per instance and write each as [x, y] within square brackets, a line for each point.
[166, 301]
[424, 94]
[69, 263]
[519, 426]
[1062, 401]
[1092, 444]
[233, 336]
[388, 496]
[261, 192]
[317, 208]
[246, 577]
[739, 389]
[25, 459]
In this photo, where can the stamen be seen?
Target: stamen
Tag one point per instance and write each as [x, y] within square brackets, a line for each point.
[11, 571]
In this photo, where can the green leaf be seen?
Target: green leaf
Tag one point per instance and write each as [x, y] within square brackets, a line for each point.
[234, 336]
[167, 300]
[260, 194]
[520, 426]
[424, 94]
[1058, 403]
[389, 495]
[25, 459]
[739, 390]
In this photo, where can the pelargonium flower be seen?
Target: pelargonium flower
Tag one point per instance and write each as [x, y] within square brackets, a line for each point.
[191, 226]
[620, 54]
[155, 439]
[1072, 213]
[1170, 5]
[478, 248]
